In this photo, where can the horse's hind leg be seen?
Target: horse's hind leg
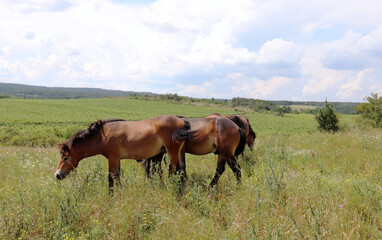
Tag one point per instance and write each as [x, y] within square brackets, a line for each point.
[236, 169]
[177, 165]
[219, 170]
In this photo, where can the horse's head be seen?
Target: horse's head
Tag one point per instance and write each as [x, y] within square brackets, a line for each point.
[243, 123]
[68, 161]
[251, 135]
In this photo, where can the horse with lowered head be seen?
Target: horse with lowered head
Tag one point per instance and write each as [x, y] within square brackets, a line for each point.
[119, 139]
[242, 122]
[219, 134]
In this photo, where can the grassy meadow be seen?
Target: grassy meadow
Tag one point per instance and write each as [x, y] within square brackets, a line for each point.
[297, 183]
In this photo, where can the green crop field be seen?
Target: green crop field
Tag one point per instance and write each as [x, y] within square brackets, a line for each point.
[26, 122]
[297, 183]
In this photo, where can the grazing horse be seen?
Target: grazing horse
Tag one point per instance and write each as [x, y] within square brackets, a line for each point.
[217, 135]
[119, 139]
[152, 165]
[243, 123]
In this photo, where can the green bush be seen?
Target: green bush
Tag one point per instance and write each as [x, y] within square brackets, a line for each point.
[327, 118]
[372, 110]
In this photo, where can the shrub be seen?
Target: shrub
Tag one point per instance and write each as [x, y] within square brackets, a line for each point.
[372, 110]
[327, 118]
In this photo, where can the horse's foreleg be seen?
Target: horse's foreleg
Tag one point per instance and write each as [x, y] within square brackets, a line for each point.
[236, 169]
[174, 165]
[146, 163]
[219, 170]
[157, 165]
[114, 173]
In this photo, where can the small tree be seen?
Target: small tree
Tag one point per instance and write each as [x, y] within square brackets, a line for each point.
[372, 111]
[327, 118]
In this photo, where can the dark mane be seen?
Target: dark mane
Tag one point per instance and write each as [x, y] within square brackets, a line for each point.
[92, 130]
[236, 119]
[252, 132]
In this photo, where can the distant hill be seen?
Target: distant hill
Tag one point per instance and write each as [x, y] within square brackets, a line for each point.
[28, 91]
[288, 106]
[341, 107]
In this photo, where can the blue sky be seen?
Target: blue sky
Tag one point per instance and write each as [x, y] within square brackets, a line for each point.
[273, 50]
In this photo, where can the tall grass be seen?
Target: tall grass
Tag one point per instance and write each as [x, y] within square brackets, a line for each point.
[307, 186]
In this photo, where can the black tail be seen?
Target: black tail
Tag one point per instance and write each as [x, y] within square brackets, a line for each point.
[243, 140]
[184, 133]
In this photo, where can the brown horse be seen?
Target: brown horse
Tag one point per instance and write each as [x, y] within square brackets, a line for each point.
[215, 134]
[153, 165]
[119, 139]
[243, 123]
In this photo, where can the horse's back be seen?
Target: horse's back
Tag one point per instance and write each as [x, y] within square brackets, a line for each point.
[216, 134]
[141, 139]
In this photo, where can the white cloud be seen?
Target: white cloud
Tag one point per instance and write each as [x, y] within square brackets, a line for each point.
[319, 78]
[30, 6]
[257, 88]
[278, 51]
[193, 90]
[372, 42]
[238, 47]
[344, 68]
[352, 85]
[207, 52]
[7, 69]
[6, 50]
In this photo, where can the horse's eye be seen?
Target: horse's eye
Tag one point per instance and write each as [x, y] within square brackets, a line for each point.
[66, 159]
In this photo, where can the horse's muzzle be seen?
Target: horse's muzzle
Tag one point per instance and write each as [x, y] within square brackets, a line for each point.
[60, 174]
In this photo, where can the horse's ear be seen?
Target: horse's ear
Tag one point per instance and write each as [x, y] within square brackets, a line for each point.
[63, 147]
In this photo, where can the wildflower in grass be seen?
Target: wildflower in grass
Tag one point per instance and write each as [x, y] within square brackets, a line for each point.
[21, 206]
[252, 187]
[340, 206]
[209, 196]
[296, 204]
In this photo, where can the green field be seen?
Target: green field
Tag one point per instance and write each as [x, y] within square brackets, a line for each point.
[26, 122]
[298, 183]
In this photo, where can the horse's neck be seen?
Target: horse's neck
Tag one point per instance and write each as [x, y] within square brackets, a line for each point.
[88, 149]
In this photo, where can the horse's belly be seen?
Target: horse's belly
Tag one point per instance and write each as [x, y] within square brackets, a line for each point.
[141, 149]
[205, 146]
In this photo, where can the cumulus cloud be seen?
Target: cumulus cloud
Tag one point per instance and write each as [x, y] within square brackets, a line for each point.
[278, 51]
[257, 88]
[30, 6]
[208, 49]
[354, 84]
[345, 67]
[238, 84]
[319, 79]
